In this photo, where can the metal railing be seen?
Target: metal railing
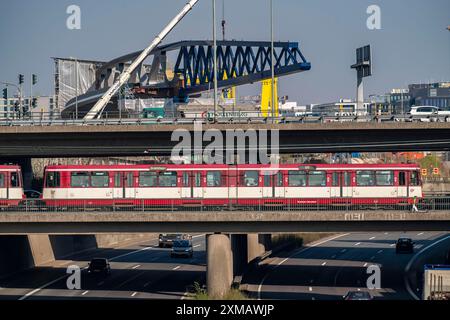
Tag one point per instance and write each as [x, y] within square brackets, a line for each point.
[231, 205]
[114, 118]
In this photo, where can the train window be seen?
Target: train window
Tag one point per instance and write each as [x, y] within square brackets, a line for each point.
[335, 179]
[347, 179]
[130, 179]
[198, 179]
[415, 180]
[186, 179]
[317, 178]
[80, 180]
[385, 178]
[15, 183]
[99, 179]
[267, 180]
[402, 179]
[117, 180]
[280, 179]
[148, 179]
[250, 179]
[53, 180]
[168, 179]
[297, 178]
[365, 178]
[213, 179]
[2, 180]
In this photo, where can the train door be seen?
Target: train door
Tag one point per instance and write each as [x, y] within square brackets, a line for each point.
[233, 181]
[269, 185]
[336, 190]
[279, 185]
[119, 187]
[403, 188]
[197, 189]
[346, 187]
[128, 185]
[4, 185]
[187, 185]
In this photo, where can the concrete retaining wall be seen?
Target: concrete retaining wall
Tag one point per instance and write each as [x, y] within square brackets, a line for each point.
[19, 253]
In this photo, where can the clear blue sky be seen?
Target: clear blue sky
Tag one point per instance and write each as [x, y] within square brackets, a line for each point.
[412, 46]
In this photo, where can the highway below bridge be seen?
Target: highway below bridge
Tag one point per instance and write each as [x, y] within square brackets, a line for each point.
[323, 270]
[156, 139]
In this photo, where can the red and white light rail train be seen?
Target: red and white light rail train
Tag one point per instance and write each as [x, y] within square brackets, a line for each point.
[219, 185]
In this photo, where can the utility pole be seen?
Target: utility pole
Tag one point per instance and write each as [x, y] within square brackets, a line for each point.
[215, 58]
[272, 64]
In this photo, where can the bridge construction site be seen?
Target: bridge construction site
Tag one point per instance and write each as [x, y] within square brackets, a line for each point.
[164, 147]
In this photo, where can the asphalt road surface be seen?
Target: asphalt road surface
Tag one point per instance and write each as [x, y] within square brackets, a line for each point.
[141, 271]
[328, 269]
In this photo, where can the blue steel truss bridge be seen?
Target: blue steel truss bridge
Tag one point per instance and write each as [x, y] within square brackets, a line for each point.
[238, 63]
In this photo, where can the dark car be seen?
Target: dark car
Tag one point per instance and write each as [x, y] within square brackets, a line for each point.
[99, 266]
[358, 295]
[405, 245]
[182, 248]
[447, 258]
[166, 240]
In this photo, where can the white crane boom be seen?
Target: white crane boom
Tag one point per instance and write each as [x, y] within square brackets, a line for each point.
[125, 76]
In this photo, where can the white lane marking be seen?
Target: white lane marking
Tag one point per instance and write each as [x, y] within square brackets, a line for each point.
[85, 293]
[392, 245]
[29, 294]
[310, 289]
[380, 251]
[408, 286]
[198, 245]
[134, 294]
[294, 254]
[135, 267]
[386, 233]
[33, 292]
[199, 236]
[365, 265]
[324, 264]
[372, 238]
[357, 244]
[176, 268]
[421, 234]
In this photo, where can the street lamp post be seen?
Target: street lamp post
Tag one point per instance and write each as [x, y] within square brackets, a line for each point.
[215, 58]
[272, 64]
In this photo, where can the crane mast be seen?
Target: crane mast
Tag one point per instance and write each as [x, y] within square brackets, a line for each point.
[125, 76]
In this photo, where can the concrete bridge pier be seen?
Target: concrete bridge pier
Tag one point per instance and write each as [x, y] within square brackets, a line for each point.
[227, 257]
[257, 245]
[219, 267]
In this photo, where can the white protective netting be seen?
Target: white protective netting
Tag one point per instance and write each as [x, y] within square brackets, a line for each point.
[74, 78]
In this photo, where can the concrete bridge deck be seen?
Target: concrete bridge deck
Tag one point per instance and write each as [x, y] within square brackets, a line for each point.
[221, 222]
[138, 140]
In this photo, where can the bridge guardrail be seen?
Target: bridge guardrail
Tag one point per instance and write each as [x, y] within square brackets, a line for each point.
[341, 204]
[50, 119]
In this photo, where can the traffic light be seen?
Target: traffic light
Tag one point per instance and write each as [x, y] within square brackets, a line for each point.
[34, 103]
[5, 94]
[33, 79]
[21, 79]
